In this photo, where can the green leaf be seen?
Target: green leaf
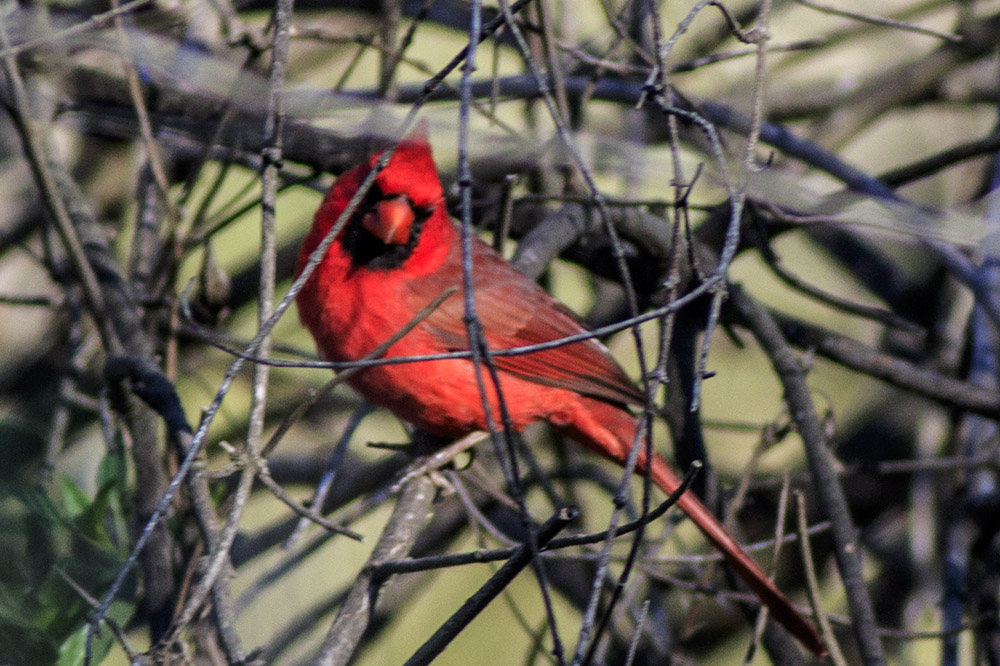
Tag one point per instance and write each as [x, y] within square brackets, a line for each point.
[113, 470]
[74, 501]
[73, 650]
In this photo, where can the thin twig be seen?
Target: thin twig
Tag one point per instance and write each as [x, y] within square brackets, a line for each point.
[95, 21]
[812, 583]
[116, 628]
[496, 584]
[878, 20]
[502, 438]
[218, 557]
[329, 474]
[142, 112]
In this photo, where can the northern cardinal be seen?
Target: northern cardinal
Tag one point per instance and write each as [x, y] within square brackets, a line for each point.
[397, 253]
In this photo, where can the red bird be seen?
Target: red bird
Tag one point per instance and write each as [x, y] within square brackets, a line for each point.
[400, 251]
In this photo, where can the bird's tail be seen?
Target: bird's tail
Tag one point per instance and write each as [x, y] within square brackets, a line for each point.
[609, 430]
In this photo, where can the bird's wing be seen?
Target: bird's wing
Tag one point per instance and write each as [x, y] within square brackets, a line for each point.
[515, 312]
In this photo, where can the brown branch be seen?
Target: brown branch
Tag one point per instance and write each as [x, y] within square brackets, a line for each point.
[53, 197]
[821, 464]
[408, 519]
[903, 374]
[426, 653]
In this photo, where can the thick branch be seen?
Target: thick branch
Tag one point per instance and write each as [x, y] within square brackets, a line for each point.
[408, 519]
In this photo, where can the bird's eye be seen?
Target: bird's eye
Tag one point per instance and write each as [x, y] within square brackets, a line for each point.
[372, 197]
[423, 212]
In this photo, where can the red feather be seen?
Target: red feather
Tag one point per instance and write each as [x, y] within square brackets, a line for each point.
[377, 275]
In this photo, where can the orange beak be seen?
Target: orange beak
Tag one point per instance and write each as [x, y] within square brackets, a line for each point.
[390, 221]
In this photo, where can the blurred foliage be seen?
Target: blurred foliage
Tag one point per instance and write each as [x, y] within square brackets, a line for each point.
[51, 545]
